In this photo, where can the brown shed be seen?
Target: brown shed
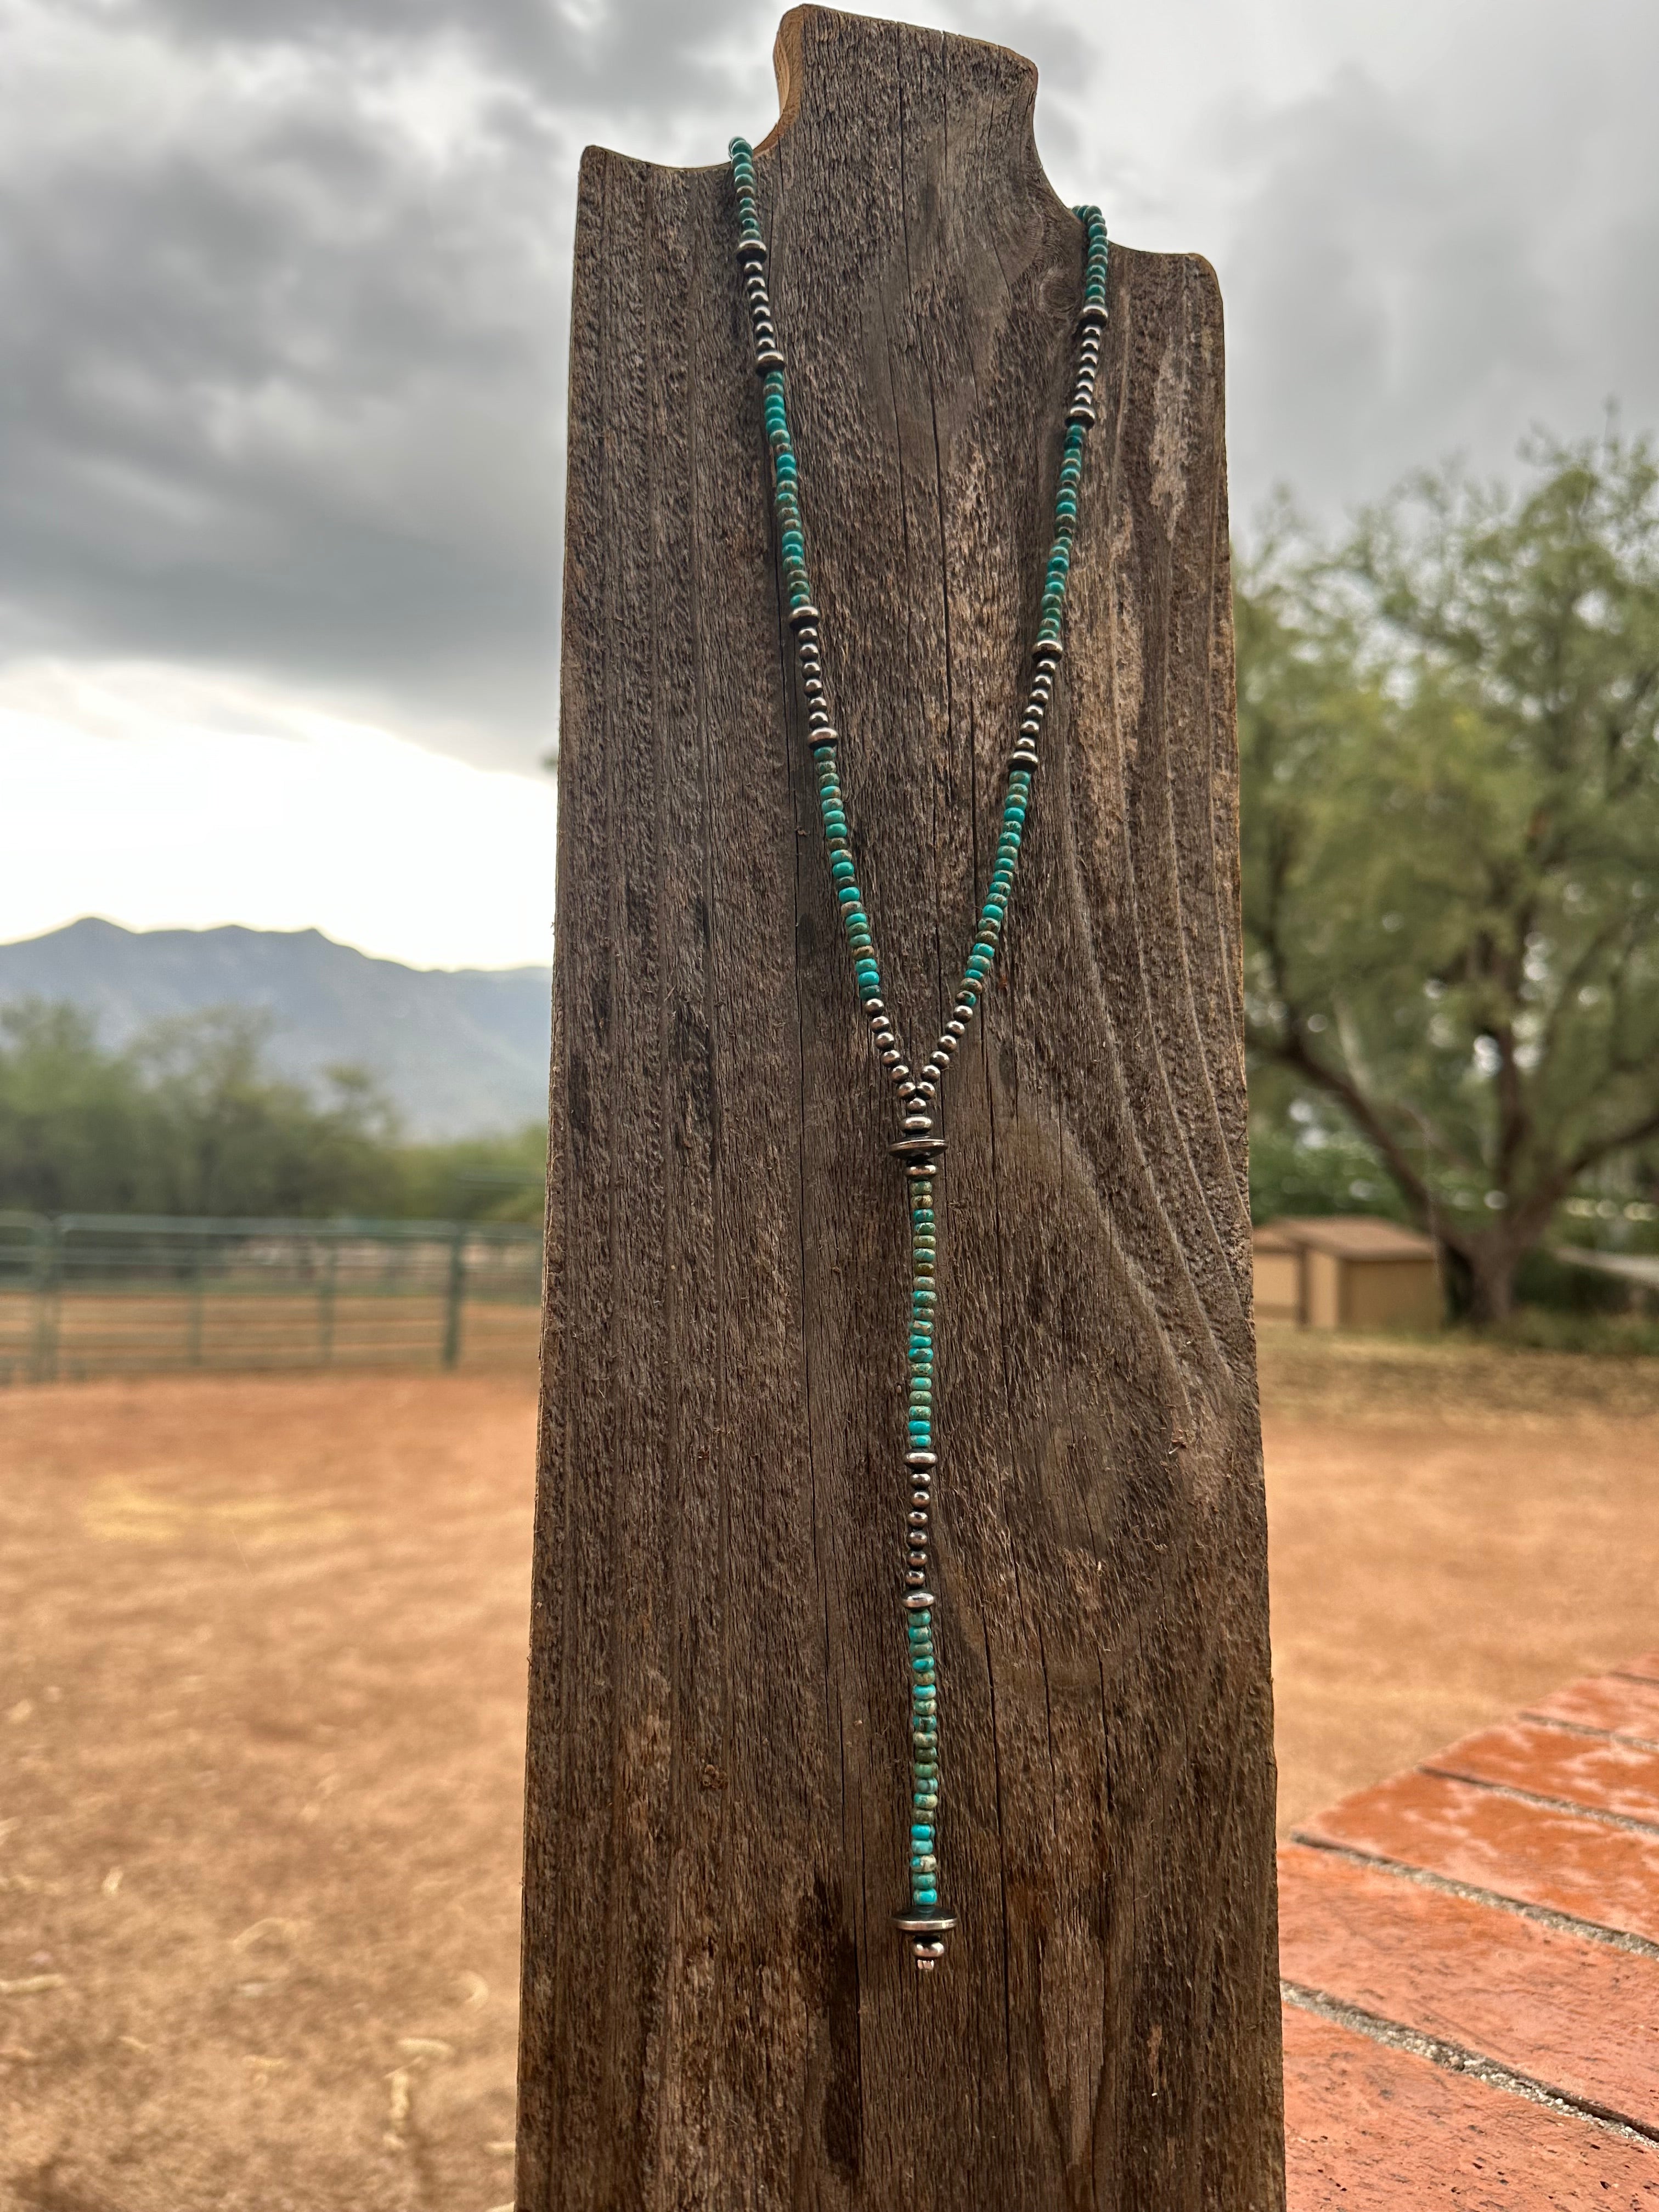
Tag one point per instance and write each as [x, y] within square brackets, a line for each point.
[1347, 1270]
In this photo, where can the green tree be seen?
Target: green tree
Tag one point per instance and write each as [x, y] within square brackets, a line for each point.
[1449, 745]
[235, 1140]
[78, 1132]
[478, 1178]
[188, 1121]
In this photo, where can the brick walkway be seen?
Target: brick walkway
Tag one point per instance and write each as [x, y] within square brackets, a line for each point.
[1470, 1953]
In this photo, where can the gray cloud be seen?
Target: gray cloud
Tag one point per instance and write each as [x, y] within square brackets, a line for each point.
[283, 296]
[1434, 268]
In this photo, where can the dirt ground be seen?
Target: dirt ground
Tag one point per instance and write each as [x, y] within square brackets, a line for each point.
[261, 1682]
[261, 1728]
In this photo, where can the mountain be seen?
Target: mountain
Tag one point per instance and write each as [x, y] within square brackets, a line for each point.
[462, 1052]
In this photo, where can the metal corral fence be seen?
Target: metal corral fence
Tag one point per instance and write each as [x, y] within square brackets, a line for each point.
[84, 1294]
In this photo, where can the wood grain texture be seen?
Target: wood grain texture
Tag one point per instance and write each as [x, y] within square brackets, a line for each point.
[717, 2012]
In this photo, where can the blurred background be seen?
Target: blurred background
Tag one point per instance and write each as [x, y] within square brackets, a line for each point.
[283, 300]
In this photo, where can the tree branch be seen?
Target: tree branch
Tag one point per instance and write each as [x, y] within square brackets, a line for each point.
[1599, 1148]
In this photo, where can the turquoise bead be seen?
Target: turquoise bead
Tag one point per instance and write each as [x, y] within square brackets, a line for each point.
[843, 875]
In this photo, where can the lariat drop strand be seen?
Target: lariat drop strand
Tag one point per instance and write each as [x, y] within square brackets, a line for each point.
[918, 1147]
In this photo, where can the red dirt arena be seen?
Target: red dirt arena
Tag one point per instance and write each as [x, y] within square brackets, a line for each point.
[261, 1728]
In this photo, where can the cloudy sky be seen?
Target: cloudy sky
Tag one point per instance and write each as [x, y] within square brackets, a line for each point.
[283, 291]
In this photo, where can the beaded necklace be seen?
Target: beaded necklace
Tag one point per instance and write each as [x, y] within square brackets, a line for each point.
[918, 1147]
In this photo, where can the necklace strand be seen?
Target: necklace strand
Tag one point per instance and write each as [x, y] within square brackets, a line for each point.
[918, 1147]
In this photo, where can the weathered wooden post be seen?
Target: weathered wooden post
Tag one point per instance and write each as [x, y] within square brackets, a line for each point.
[717, 2010]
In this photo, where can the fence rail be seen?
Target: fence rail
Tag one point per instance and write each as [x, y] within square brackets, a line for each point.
[85, 1294]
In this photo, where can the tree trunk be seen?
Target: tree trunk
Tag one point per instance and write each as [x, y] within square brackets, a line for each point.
[717, 2009]
[1490, 1264]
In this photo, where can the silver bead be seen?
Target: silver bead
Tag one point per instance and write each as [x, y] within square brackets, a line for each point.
[919, 1122]
[920, 1458]
[1093, 317]
[751, 249]
[920, 1601]
[915, 1579]
[962, 1011]
[922, 1498]
[890, 1059]
[955, 1029]
[925, 1965]
[874, 1006]
[801, 617]
[919, 1519]
[771, 358]
[895, 1067]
